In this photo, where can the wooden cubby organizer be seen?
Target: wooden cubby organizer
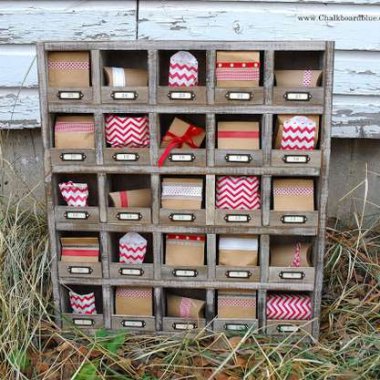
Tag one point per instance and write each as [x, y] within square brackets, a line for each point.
[106, 169]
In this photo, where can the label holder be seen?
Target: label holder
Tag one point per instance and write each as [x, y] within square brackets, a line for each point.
[297, 96]
[133, 323]
[79, 270]
[135, 272]
[293, 219]
[124, 95]
[238, 274]
[185, 272]
[70, 95]
[287, 275]
[235, 327]
[238, 158]
[181, 157]
[76, 215]
[182, 217]
[126, 157]
[287, 328]
[72, 156]
[237, 218]
[296, 158]
[129, 216]
[239, 95]
[83, 322]
[181, 95]
[183, 326]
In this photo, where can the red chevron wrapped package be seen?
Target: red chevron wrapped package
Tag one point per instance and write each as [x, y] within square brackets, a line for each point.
[182, 193]
[237, 69]
[133, 301]
[123, 77]
[181, 135]
[298, 78]
[238, 193]
[74, 131]
[238, 250]
[183, 70]
[127, 131]
[82, 303]
[74, 194]
[236, 303]
[238, 135]
[184, 307]
[296, 132]
[288, 306]
[80, 249]
[132, 248]
[185, 250]
[292, 255]
[132, 198]
[293, 194]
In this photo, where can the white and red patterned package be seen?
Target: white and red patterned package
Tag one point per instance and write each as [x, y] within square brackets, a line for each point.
[183, 70]
[288, 307]
[132, 248]
[74, 194]
[82, 303]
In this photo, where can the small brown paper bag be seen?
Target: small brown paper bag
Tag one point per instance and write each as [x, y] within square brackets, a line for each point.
[239, 135]
[185, 250]
[132, 198]
[79, 249]
[298, 78]
[184, 307]
[133, 301]
[290, 255]
[123, 77]
[236, 304]
[293, 194]
[238, 250]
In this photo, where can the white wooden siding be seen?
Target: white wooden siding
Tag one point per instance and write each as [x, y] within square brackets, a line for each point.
[357, 62]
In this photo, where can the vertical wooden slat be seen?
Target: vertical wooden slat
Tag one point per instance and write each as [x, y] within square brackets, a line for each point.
[156, 197]
[103, 196]
[211, 256]
[105, 249]
[210, 199]
[266, 198]
[210, 306]
[108, 305]
[154, 137]
[153, 75]
[210, 76]
[100, 138]
[267, 133]
[158, 254]
[268, 76]
[210, 139]
[261, 309]
[95, 75]
[159, 306]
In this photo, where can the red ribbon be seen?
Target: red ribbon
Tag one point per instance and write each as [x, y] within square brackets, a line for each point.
[178, 141]
[123, 199]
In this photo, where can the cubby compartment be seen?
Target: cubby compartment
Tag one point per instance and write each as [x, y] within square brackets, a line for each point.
[239, 77]
[82, 306]
[127, 139]
[182, 139]
[238, 140]
[183, 88]
[124, 76]
[184, 257]
[298, 78]
[131, 255]
[129, 198]
[75, 196]
[133, 308]
[69, 77]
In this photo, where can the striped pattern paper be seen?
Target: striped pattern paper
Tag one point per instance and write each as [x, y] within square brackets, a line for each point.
[299, 133]
[132, 248]
[288, 307]
[183, 70]
[82, 303]
[79, 249]
[75, 194]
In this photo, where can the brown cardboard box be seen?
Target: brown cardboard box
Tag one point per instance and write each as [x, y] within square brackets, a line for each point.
[79, 249]
[290, 255]
[132, 198]
[236, 304]
[238, 250]
[133, 301]
[184, 307]
[185, 250]
[123, 77]
[239, 135]
[298, 78]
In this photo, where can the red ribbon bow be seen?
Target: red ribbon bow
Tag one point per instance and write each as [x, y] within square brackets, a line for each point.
[178, 141]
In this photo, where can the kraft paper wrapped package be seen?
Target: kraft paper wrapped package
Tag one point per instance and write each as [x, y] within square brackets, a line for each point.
[82, 303]
[80, 249]
[185, 250]
[296, 132]
[236, 304]
[182, 193]
[184, 307]
[298, 78]
[183, 70]
[238, 135]
[293, 194]
[124, 77]
[132, 248]
[290, 255]
[288, 306]
[237, 69]
[127, 131]
[74, 194]
[132, 198]
[69, 69]
[238, 250]
[133, 301]
[74, 131]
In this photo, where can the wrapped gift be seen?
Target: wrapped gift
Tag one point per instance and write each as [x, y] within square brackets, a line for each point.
[183, 70]
[133, 301]
[74, 194]
[182, 193]
[69, 69]
[236, 303]
[288, 306]
[80, 249]
[237, 193]
[123, 77]
[238, 135]
[74, 131]
[297, 78]
[293, 194]
[184, 307]
[132, 198]
[237, 69]
[185, 250]
[290, 255]
[132, 248]
[238, 250]
[127, 131]
[181, 135]
[82, 303]
[296, 132]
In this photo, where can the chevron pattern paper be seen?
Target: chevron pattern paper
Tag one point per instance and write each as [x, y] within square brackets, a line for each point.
[288, 307]
[183, 70]
[132, 248]
[74, 194]
[127, 131]
[238, 193]
[82, 303]
[299, 133]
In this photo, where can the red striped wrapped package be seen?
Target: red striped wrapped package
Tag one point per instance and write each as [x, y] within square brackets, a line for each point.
[132, 198]
[74, 194]
[132, 248]
[82, 303]
[238, 135]
[79, 249]
[183, 70]
[288, 307]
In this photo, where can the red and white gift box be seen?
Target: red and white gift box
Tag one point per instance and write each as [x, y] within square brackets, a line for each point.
[74, 194]
[127, 131]
[82, 303]
[238, 193]
[132, 248]
[183, 70]
[288, 307]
